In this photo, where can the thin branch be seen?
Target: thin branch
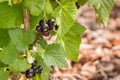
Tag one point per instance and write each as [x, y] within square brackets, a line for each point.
[26, 20]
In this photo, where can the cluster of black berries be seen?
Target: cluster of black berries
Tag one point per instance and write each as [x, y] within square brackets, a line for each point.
[33, 70]
[45, 28]
[77, 5]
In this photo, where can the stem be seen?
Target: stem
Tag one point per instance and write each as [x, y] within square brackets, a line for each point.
[26, 20]
[38, 37]
[45, 15]
[58, 2]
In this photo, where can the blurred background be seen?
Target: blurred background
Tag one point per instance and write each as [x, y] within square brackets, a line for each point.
[99, 57]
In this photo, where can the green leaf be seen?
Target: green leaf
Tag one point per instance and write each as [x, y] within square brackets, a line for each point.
[20, 64]
[3, 75]
[2, 65]
[35, 6]
[48, 7]
[42, 63]
[44, 76]
[71, 41]
[102, 9]
[28, 37]
[43, 43]
[8, 54]
[10, 16]
[36, 77]
[82, 2]
[21, 38]
[53, 56]
[65, 15]
[4, 38]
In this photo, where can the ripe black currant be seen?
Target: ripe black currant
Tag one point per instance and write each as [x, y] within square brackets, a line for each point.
[42, 23]
[34, 67]
[37, 69]
[56, 27]
[77, 5]
[46, 33]
[30, 73]
[51, 23]
[38, 28]
[45, 27]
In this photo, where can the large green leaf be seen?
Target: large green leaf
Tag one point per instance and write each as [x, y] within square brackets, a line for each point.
[4, 38]
[20, 64]
[43, 64]
[65, 15]
[3, 75]
[10, 16]
[35, 6]
[102, 9]
[71, 41]
[54, 56]
[8, 54]
[21, 38]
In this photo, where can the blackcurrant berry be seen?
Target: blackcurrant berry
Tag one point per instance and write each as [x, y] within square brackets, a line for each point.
[51, 23]
[30, 73]
[39, 69]
[56, 27]
[45, 28]
[38, 28]
[42, 23]
[46, 33]
[77, 5]
[34, 67]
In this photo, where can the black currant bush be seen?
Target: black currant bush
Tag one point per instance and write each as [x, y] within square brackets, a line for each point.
[24, 24]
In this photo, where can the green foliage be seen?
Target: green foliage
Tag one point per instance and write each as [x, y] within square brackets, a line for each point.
[46, 69]
[35, 20]
[10, 16]
[19, 64]
[3, 75]
[21, 38]
[53, 56]
[20, 48]
[102, 9]
[65, 16]
[2, 65]
[8, 54]
[3, 0]
[4, 38]
[82, 2]
[70, 42]
[35, 6]
[48, 7]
